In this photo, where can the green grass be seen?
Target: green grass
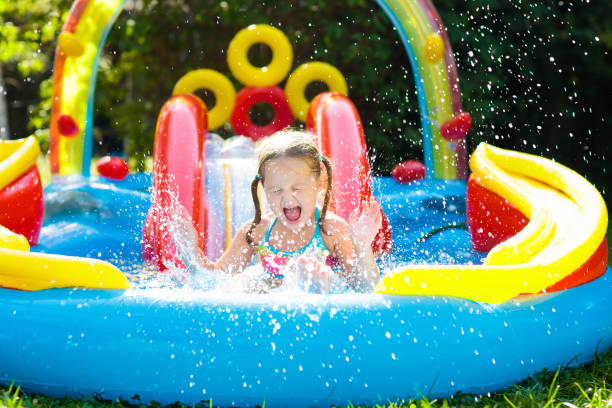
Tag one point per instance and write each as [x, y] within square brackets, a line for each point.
[585, 386]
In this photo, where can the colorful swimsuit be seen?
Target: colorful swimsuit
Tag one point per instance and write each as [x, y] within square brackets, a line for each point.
[274, 260]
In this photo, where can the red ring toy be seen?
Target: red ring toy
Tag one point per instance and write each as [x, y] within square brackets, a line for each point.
[249, 96]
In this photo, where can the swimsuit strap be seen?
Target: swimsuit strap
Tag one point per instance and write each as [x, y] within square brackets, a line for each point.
[274, 260]
[317, 239]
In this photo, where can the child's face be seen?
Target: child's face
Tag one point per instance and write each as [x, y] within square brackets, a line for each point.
[291, 189]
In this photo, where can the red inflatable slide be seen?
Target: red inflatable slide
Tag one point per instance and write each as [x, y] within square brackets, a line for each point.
[178, 160]
[21, 196]
[333, 118]
[179, 168]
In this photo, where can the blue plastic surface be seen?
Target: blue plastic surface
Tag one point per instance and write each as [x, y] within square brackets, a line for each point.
[176, 343]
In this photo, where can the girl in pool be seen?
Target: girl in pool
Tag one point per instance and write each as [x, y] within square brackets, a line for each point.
[298, 237]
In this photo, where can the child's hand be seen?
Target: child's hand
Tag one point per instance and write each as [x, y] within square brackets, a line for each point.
[365, 222]
[185, 239]
[181, 226]
[314, 274]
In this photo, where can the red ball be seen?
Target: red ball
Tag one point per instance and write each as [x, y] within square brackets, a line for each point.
[67, 126]
[114, 168]
[457, 127]
[408, 171]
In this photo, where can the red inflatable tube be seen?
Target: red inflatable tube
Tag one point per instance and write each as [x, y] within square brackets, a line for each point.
[492, 220]
[336, 122]
[178, 156]
[22, 207]
[592, 269]
[249, 96]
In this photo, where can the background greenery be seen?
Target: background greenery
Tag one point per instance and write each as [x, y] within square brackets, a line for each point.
[535, 76]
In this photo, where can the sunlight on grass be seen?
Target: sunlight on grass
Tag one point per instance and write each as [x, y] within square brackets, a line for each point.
[9, 397]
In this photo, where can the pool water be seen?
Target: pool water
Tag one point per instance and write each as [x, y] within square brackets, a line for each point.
[98, 218]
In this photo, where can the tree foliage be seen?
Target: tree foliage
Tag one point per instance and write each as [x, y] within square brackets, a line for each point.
[533, 75]
[28, 31]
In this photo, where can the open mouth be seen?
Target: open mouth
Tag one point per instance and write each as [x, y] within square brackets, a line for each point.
[292, 214]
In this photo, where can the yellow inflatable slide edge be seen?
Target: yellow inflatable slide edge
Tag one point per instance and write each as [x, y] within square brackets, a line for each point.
[567, 222]
[21, 269]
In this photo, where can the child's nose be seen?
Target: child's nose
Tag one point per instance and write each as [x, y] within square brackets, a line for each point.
[288, 198]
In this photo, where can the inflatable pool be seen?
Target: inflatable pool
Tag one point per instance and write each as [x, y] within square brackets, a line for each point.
[485, 281]
[176, 343]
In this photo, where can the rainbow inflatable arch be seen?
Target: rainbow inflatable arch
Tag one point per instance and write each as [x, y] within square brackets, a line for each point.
[527, 287]
[417, 22]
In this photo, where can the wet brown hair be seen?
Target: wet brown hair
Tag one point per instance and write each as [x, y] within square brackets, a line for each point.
[293, 144]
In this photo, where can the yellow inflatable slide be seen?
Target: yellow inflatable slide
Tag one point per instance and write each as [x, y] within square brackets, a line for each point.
[567, 224]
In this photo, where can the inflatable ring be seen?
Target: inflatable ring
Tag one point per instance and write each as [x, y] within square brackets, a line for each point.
[305, 74]
[247, 73]
[249, 96]
[218, 84]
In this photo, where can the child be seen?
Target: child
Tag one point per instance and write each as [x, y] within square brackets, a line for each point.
[297, 232]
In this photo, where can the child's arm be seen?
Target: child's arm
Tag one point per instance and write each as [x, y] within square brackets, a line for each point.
[354, 246]
[364, 224]
[238, 255]
[234, 259]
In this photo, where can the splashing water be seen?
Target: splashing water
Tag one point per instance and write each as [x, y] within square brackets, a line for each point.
[109, 228]
[299, 273]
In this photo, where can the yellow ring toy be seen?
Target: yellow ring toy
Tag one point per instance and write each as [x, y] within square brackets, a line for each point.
[247, 73]
[218, 84]
[306, 73]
